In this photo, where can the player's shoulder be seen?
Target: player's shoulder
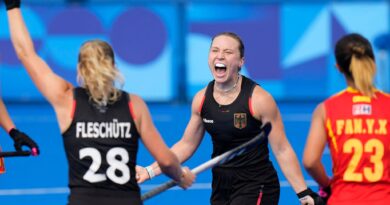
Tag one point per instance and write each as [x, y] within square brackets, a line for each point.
[382, 93]
[198, 99]
[199, 95]
[261, 95]
[136, 100]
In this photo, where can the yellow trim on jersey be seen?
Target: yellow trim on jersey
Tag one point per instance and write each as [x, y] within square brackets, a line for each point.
[351, 90]
[331, 134]
[358, 98]
[348, 90]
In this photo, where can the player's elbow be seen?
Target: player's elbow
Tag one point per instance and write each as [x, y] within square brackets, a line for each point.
[24, 53]
[309, 162]
[171, 167]
[168, 162]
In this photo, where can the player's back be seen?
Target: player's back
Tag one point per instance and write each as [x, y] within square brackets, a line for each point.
[359, 141]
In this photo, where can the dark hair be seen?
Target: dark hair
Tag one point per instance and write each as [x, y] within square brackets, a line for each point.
[355, 57]
[241, 47]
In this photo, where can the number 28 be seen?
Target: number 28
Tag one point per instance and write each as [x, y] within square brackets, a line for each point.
[114, 163]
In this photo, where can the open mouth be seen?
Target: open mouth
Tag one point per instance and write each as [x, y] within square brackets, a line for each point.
[220, 68]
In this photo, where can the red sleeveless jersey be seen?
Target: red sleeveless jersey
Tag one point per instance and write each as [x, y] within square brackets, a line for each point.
[358, 135]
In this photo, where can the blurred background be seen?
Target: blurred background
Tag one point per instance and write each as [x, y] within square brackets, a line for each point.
[161, 48]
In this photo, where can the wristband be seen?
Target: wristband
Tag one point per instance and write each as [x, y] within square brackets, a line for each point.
[306, 192]
[13, 132]
[150, 171]
[11, 4]
[9, 131]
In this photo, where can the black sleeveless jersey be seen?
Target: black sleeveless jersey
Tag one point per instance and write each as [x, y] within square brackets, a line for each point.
[101, 145]
[233, 124]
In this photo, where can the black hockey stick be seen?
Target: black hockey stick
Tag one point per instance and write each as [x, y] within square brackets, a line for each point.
[15, 154]
[220, 159]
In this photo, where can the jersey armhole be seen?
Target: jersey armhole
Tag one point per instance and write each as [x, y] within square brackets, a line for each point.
[74, 104]
[327, 114]
[131, 110]
[250, 106]
[250, 100]
[201, 104]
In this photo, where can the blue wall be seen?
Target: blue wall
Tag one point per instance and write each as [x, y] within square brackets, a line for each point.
[162, 46]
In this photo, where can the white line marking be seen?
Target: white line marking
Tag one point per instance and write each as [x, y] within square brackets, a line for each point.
[65, 190]
[34, 191]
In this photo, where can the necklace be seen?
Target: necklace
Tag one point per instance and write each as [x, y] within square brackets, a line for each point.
[229, 89]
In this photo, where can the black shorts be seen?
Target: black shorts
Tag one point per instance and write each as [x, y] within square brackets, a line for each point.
[81, 196]
[238, 186]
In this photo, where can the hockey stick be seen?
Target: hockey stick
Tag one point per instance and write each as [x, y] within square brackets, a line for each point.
[220, 159]
[15, 154]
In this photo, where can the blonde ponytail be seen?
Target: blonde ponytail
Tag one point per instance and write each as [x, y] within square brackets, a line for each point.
[97, 72]
[363, 71]
[355, 58]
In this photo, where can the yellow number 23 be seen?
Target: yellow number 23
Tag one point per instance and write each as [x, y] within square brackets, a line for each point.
[375, 148]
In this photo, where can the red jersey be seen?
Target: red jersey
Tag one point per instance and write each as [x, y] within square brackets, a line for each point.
[359, 140]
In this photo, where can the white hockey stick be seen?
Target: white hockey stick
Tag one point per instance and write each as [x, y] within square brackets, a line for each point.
[220, 159]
